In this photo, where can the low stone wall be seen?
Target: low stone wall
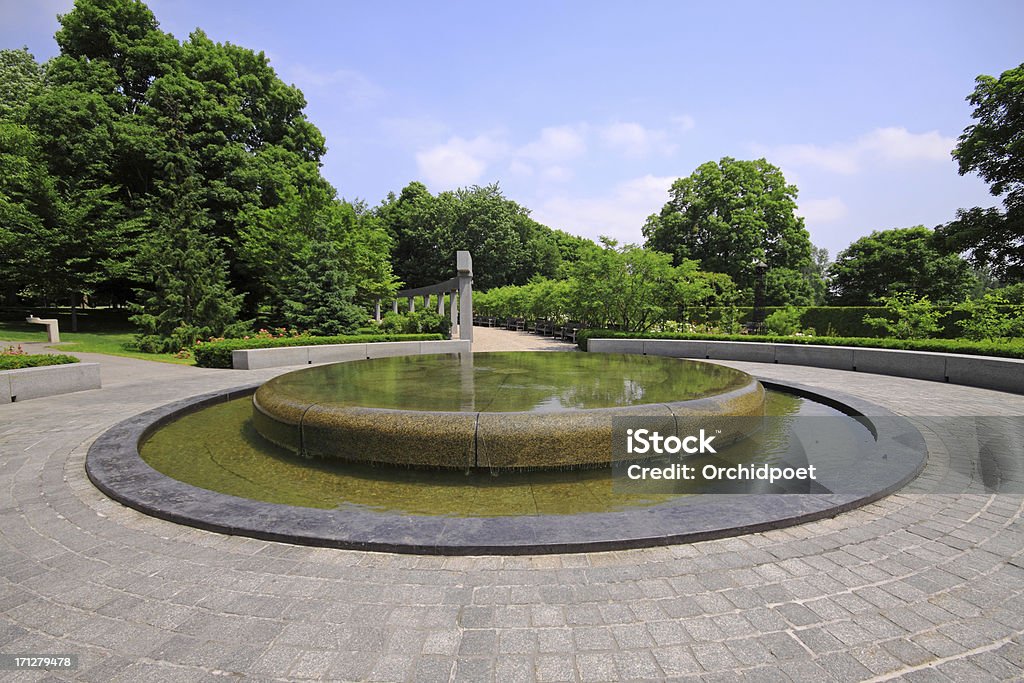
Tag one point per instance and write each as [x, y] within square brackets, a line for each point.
[257, 359]
[48, 380]
[986, 372]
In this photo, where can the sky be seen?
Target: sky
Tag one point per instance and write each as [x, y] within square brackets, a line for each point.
[586, 112]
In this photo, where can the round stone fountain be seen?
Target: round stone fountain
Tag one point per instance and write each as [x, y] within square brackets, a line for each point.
[497, 410]
[496, 453]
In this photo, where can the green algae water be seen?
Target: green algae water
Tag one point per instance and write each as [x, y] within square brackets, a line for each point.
[217, 448]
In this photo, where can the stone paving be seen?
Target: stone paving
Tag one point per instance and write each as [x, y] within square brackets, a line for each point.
[922, 585]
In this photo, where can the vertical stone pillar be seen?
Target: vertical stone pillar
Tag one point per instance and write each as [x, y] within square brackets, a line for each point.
[376, 310]
[454, 313]
[412, 305]
[464, 266]
[440, 303]
[394, 305]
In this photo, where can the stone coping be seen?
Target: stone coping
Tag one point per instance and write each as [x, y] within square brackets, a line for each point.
[114, 466]
[47, 380]
[282, 356]
[985, 372]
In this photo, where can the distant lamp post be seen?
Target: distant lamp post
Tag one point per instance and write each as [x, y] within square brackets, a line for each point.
[757, 322]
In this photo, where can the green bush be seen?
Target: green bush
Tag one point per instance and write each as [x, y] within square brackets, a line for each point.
[1008, 349]
[417, 322]
[908, 317]
[217, 354]
[18, 361]
[991, 317]
[784, 322]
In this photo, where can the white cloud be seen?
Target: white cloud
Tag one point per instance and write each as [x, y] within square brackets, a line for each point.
[683, 123]
[885, 145]
[897, 144]
[458, 162]
[620, 214]
[351, 87]
[555, 144]
[635, 140]
[557, 174]
[826, 210]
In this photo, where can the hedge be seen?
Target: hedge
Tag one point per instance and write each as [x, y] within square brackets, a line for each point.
[217, 354]
[847, 321]
[19, 361]
[1013, 349]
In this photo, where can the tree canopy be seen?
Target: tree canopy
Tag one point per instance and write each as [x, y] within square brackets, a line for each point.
[508, 246]
[993, 147]
[730, 214]
[902, 260]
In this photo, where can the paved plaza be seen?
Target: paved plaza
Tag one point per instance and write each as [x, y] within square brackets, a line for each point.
[926, 584]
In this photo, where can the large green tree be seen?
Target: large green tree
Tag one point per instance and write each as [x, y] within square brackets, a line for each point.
[902, 260]
[729, 215]
[508, 246]
[993, 147]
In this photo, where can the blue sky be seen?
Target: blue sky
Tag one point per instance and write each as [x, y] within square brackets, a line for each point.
[585, 112]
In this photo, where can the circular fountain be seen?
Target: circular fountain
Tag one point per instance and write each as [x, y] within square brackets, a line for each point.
[495, 453]
[496, 410]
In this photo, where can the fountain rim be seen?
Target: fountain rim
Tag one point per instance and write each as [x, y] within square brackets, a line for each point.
[114, 466]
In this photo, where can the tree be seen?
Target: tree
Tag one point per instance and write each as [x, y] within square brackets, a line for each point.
[994, 148]
[318, 293]
[508, 246]
[898, 260]
[188, 297]
[730, 214]
[20, 79]
[630, 287]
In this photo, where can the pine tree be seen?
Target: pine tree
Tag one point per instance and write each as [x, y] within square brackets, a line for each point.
[319, 292]
[189, 298]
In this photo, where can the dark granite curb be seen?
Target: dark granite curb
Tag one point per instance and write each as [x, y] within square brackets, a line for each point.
[114, 466]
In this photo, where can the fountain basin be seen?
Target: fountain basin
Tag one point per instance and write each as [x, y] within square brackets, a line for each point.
[497, 410]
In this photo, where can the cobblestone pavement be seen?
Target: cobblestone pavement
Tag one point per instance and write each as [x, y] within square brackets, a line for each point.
[921, 585]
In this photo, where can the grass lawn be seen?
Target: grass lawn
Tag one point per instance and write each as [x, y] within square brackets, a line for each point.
[110, 342]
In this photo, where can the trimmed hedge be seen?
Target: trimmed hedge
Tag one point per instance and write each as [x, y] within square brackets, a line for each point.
[1004, 350]
[217, 354]
[19, 361]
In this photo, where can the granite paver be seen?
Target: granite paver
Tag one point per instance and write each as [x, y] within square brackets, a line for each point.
[925, 584]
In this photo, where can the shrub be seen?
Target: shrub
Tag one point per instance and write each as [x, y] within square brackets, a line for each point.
[217, 353]
[417, 322]
[784, 322]
[15, 358]
[909, 317]
[990, 317]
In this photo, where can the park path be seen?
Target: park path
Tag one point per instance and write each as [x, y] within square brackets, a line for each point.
[119, 370]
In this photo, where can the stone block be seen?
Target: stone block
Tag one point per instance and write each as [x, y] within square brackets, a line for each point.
[388, 349]
[1002, 374]
[915, 364]
[616, 346]
[257, 359]
[5, 387]
[675, 348]
[51, 380]
[838, 357]
[446, 346]
[749, 351]
[336, 353]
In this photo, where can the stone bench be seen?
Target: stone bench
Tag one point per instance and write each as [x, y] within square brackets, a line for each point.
[48, 380]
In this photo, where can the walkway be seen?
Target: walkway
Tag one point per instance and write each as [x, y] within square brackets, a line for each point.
[921, 584]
